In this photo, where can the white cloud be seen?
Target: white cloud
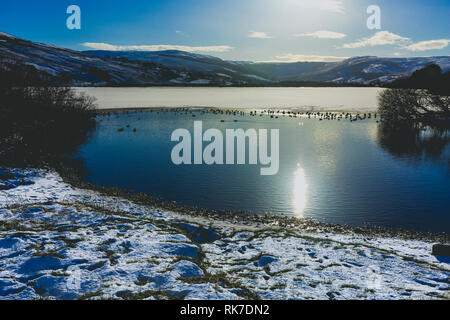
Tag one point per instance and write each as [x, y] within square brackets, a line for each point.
[258, 35]
[290, 57]
[388, 38]
[181, 33]
[336, 6]
[428, 45]
[378, 39]
[322, 35]
[329, 5]
[160, 47]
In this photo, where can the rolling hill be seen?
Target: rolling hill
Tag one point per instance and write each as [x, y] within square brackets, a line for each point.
[146, 68]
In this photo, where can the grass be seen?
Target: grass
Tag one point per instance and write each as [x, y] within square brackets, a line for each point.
[59, 274]
[156, 294]
[278, 286]
[277, 273]
[350, 286]
[321, 268]
[91, 295]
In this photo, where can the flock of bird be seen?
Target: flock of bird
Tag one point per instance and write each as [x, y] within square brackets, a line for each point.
[272, 114]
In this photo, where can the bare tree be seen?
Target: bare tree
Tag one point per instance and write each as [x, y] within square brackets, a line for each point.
[412, 104]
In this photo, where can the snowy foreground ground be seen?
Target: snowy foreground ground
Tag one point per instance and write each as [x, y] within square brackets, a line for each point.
[59, 242]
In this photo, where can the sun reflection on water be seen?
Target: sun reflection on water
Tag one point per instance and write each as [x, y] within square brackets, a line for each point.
[300, 189]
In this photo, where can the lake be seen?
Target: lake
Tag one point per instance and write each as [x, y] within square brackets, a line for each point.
[242, 98]
[342, 172]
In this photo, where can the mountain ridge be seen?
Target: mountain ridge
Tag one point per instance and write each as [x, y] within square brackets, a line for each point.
[174, 67]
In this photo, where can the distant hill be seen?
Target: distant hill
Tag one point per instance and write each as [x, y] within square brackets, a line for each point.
[84, 69]
[358, 70]
[144, 68]
[177, 60]
[362, 70]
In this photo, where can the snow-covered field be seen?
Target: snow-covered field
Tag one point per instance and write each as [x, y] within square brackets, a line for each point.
[59, 242]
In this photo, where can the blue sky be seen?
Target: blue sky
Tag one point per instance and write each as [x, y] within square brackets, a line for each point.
[258, 30]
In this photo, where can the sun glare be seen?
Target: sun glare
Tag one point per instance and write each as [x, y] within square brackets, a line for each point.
[300, 189]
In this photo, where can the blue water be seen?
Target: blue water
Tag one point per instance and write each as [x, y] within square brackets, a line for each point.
[333, 171]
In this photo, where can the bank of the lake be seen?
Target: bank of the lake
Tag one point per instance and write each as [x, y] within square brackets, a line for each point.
[61, 242]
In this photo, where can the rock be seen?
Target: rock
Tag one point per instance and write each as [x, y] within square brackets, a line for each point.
[199, 234]
[242, 249]
[9, 243]
[441, 250]
[124, 294]
[37, 264]
[6, 175]
[55, 287]
[266, 260]
[96, 265]
[187, 269]
[8, 287]
[181, 249]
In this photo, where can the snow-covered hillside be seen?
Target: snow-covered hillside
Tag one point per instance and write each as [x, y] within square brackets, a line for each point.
[363, 70]
[184, 68]
[78, 68]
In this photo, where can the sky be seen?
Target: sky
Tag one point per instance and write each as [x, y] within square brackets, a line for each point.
[250, 30]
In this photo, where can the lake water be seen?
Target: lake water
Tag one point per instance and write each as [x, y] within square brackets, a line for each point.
[259, 98]
[335, 171]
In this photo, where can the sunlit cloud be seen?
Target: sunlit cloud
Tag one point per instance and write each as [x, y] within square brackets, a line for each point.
[428, 45]
[388, 38]
[380, 38]
[180, 32]
[336, 6]
[289, 58]
[258, 35]
[322, 35]
[330, 5]
[161, 47]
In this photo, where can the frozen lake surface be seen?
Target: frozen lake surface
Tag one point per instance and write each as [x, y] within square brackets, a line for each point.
[363, 99]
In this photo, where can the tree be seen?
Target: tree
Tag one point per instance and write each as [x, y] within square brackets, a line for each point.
[430, 78]
[413, 104]
[39, 122]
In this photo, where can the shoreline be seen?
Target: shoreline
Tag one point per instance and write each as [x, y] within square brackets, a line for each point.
[258, 220]
[245, 219]
[64, 242]
[246, 110]
[74, 179]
